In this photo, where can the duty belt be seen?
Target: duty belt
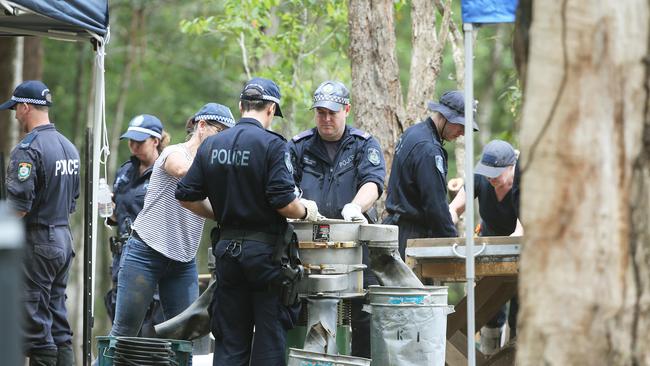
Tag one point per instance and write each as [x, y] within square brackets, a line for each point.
[233, 234]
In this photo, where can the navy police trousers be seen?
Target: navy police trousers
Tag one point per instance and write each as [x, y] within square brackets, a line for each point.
[245, 298]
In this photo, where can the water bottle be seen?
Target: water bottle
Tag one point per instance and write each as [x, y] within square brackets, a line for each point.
[104, 201]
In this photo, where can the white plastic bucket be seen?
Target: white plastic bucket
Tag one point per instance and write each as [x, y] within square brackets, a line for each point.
[409, 325]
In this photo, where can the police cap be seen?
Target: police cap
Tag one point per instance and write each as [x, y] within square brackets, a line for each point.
[262, 89]
[142, 127]
[215, 112]
[331, 95]
[31, 92]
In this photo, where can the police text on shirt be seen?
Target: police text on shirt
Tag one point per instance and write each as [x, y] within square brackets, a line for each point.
[66, 167]
[230, 157]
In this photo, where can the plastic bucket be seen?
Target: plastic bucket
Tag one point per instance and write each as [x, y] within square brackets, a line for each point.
[409, 325]
[298, 357]
[106, 350]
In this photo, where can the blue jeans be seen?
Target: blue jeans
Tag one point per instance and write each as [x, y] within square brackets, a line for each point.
[141, 269]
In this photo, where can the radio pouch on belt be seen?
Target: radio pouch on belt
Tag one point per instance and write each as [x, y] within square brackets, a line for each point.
[286, 255]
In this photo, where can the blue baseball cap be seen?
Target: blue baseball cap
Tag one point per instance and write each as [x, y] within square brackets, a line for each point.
[452, 106]
[31, 92]
[262, 89]
[331, 95]
[142, 127]
[215, 112]
[496, 157]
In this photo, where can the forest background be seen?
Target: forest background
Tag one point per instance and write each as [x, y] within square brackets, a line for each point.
[168, 58]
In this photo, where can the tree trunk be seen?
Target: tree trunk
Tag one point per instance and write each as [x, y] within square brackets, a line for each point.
[426, 58]
[585, 267]
[137, 21]
[33, 59]
[7, 126]
[376, 89]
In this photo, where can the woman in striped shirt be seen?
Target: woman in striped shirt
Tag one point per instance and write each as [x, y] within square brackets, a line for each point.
[162, 248]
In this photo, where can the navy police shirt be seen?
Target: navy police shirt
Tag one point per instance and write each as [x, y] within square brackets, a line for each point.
[334, 182]
[498, 218]
[245, 171]
[129, 190]
[43, 177]
[417, 189]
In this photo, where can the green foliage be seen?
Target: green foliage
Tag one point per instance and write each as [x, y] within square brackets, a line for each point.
[297, 43]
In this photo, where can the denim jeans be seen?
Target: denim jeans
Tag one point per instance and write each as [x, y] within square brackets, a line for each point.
[141, 269]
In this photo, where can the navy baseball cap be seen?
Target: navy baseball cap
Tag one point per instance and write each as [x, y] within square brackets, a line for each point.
[142, 127]
[331, 95]
[496, 157]
[31, 92]
[215, 112]
[262, 89]
[452, 106]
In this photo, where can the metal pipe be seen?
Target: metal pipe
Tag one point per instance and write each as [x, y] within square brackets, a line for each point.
[469, 189]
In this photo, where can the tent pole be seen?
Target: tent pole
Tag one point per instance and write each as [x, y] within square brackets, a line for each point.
[469, 190]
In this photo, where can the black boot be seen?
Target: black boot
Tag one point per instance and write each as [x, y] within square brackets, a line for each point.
[65, 357]
[44, 357]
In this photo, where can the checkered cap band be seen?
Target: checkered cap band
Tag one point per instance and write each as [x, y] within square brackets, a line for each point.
[331, 98]
[215, 117]
[29, 100]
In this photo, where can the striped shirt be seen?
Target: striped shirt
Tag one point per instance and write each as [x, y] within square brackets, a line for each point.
[163, 223]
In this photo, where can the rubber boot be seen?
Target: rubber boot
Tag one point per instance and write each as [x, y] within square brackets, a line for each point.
[490, 340]
[44, 357]
[65, 357]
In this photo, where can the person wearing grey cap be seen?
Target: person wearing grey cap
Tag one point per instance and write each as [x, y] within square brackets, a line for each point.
[42, 188]
[146, 139]
[496, 185]
[417, 189]
[165, 236]
[341, 168]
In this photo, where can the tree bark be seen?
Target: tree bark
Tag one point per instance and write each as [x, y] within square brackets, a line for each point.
[137, 21]
[7, 56]
[426, 58]
[33, 59]
[585, 267]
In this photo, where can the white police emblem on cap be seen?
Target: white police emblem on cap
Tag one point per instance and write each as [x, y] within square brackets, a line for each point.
[373, 156]
[440, 164]
[328, 88]
[137, 121]
[287, 162]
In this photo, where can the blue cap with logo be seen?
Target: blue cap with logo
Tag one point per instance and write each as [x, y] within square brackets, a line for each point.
[331, 95]
[31, 92]
[262, 89]
[142, 127]
[452, 106]
[215, 112]
[496, 157]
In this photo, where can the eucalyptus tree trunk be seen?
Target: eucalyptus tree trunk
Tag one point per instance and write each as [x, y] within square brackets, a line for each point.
[376, 89]
[33, 58]
[585, 267]
[7, 125]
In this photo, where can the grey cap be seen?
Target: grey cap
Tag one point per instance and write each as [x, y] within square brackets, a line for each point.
[452, 106]
[331, 95]
[496, 157]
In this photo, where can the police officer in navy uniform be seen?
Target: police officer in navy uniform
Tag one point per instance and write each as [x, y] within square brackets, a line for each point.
[146, 139]
[341, 168]
[42, 187]
[245, 172]
[417, 189]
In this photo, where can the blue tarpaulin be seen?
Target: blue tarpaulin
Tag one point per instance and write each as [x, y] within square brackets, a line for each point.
[72, 19]
[489, 11]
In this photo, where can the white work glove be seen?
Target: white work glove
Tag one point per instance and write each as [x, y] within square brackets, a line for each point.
[312, 210]
[352, 212]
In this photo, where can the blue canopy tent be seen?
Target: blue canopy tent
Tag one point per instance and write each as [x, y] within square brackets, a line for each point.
[72, 20]
[475, 12]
